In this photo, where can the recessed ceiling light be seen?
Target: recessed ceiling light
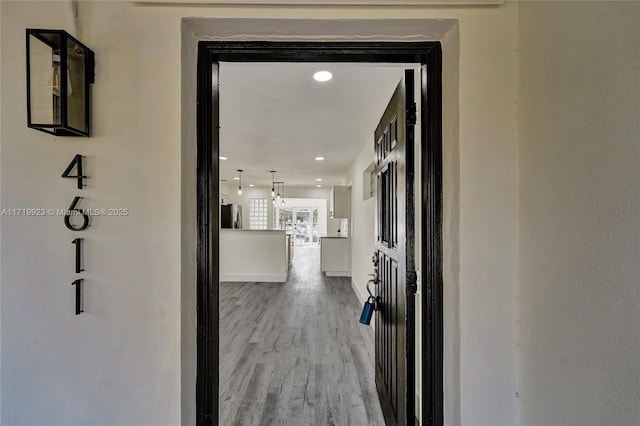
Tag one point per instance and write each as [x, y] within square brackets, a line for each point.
[251, 185]
[223, 158]
[323, 76]
[319, 180]
[236, 178]
[319, 158]
[318, 186]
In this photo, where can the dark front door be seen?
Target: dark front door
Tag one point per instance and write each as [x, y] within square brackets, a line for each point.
[394, 257]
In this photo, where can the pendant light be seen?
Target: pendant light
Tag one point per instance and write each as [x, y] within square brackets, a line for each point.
[273, 183]
[278, 196]
[282, 202]
[240, 182]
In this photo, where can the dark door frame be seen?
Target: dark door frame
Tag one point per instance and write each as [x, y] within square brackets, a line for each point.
[210, 54]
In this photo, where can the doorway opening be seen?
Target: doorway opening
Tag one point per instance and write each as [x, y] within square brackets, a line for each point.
[210, 55]
[301, 222]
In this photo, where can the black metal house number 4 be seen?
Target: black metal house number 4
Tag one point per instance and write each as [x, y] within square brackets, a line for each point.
[77, 225]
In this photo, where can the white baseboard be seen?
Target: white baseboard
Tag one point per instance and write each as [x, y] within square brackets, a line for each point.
[361, 297]
[254, 278]
[337, 273]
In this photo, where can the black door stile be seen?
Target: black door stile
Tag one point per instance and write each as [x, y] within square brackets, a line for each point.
[210, 54]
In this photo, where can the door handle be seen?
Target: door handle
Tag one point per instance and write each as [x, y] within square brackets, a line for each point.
[374, 278]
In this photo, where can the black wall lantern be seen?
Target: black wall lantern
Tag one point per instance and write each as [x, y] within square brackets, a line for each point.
[60, 71]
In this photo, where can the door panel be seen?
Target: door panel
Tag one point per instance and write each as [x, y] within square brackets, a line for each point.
[395, 356]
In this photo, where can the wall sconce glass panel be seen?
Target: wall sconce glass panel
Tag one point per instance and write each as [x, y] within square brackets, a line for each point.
[59, 72]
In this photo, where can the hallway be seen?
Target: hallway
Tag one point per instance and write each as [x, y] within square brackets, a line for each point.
[294, 353]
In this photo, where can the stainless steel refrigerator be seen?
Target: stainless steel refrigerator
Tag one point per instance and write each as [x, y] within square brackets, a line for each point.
[231, 216]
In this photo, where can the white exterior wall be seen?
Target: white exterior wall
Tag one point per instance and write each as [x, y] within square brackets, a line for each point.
[119, 361]
[123, 360]
[580, 227]
[0, 224]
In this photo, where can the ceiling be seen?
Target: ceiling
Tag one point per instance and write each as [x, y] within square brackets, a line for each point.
[275, 116]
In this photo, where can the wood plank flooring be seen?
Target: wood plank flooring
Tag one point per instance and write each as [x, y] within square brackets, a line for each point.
[294, 353]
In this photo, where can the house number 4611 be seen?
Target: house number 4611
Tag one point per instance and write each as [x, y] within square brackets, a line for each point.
[76, 219]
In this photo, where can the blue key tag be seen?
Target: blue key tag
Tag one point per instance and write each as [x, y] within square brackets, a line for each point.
[367, 310]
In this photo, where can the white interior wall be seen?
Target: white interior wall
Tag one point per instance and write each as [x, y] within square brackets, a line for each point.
[120, 361]
[224, 193]
[362, 223]
[579, 204]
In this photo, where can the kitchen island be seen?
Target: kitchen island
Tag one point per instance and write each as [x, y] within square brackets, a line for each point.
[251, 255]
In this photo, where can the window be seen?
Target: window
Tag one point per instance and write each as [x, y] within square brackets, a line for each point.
[258, 213]
[369, 181]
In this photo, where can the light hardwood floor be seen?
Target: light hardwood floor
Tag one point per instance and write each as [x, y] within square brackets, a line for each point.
[295, 353]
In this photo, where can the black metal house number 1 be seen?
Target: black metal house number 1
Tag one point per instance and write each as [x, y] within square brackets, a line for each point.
[76, 219]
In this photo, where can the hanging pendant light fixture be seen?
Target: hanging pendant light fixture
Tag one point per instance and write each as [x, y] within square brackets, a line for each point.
[282, 202]
[273, 183]
[240, 182]
[278, 196]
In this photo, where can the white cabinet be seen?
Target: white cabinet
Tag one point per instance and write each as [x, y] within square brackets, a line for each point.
[335, 256]
[339, 202]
